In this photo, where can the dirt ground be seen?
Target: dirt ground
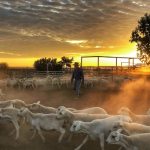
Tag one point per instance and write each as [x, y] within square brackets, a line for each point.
[134, 95]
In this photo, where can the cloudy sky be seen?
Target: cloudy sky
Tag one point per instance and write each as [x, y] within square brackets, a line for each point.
[30, 29]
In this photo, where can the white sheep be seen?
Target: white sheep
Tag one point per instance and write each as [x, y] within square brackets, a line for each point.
[131, 128]
[37, 107]
[2, 95]
[132, 142]
[56, 82]
[96, 129]
[17, 103]
[7, 119]
[12, 82]
[40, 121]
[13, 113]
[70, 116]
[91, 110]
[141, 119]
[29, 83]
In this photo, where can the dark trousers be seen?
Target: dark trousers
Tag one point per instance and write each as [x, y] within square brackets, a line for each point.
[77, 86]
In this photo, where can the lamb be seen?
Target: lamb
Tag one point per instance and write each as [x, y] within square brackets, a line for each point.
[132, 142]
[4, 104]
[131, 128]
[141, 119]
[15, 102]
[56, 81]
[38, 108]
[70, 116]
[13, 113]
[40, 121]
[97, 129]
[92, 110]
[29, 83]
[2, 95]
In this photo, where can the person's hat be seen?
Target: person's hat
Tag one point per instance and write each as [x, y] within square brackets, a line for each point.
[76, 64]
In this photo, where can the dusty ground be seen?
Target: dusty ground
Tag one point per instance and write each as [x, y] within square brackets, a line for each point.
[135, 95]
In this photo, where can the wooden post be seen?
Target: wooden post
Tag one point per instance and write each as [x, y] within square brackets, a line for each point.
[133, 62]
[81, 62]
[121, 66]
[98, 64]
[116, 64]
[47, 68]
[128, 63]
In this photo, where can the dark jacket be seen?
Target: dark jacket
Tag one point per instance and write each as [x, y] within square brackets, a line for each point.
[77, 74]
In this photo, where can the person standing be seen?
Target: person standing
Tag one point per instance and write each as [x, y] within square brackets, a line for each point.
[77, 77]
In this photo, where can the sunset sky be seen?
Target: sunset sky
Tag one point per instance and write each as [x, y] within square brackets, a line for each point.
[31, 29]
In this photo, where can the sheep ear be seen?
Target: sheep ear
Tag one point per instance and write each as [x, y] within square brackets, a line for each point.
[38, 102]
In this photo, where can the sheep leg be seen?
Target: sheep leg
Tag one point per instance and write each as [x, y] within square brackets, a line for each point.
[40, 134]
[120, 148]
[12, 132]
[16, 125]
[33, 135]
[70, 137]
[102, 141]
[83, 142]
[62, 135]
[23, 121]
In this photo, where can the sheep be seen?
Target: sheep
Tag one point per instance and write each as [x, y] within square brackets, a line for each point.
[56, 81]
[37, 107]
[70, 116]
[92, 110]
[131, 128]
[15, 118]
[3, 83]
[2, 95]
[12, 82]
[40, 121]
[141, 119]
[6, 119]
[132, 142]
[88, 83]
[96, 129]
[29, 83]
[4, 104]
[42, 82]
[15, 102]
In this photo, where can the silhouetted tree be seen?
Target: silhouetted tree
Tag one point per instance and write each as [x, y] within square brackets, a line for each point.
[53, 64]
[141, 35]
[66, 61]
[3, 66]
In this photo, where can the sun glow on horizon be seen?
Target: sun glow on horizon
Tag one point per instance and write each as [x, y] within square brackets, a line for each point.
[129, 51]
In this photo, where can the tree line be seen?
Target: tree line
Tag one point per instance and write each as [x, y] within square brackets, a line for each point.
[52, 64]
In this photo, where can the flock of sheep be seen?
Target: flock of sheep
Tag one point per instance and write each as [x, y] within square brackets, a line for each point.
[126, 129]
[59, 81]
[49, 81]
[94, 122]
